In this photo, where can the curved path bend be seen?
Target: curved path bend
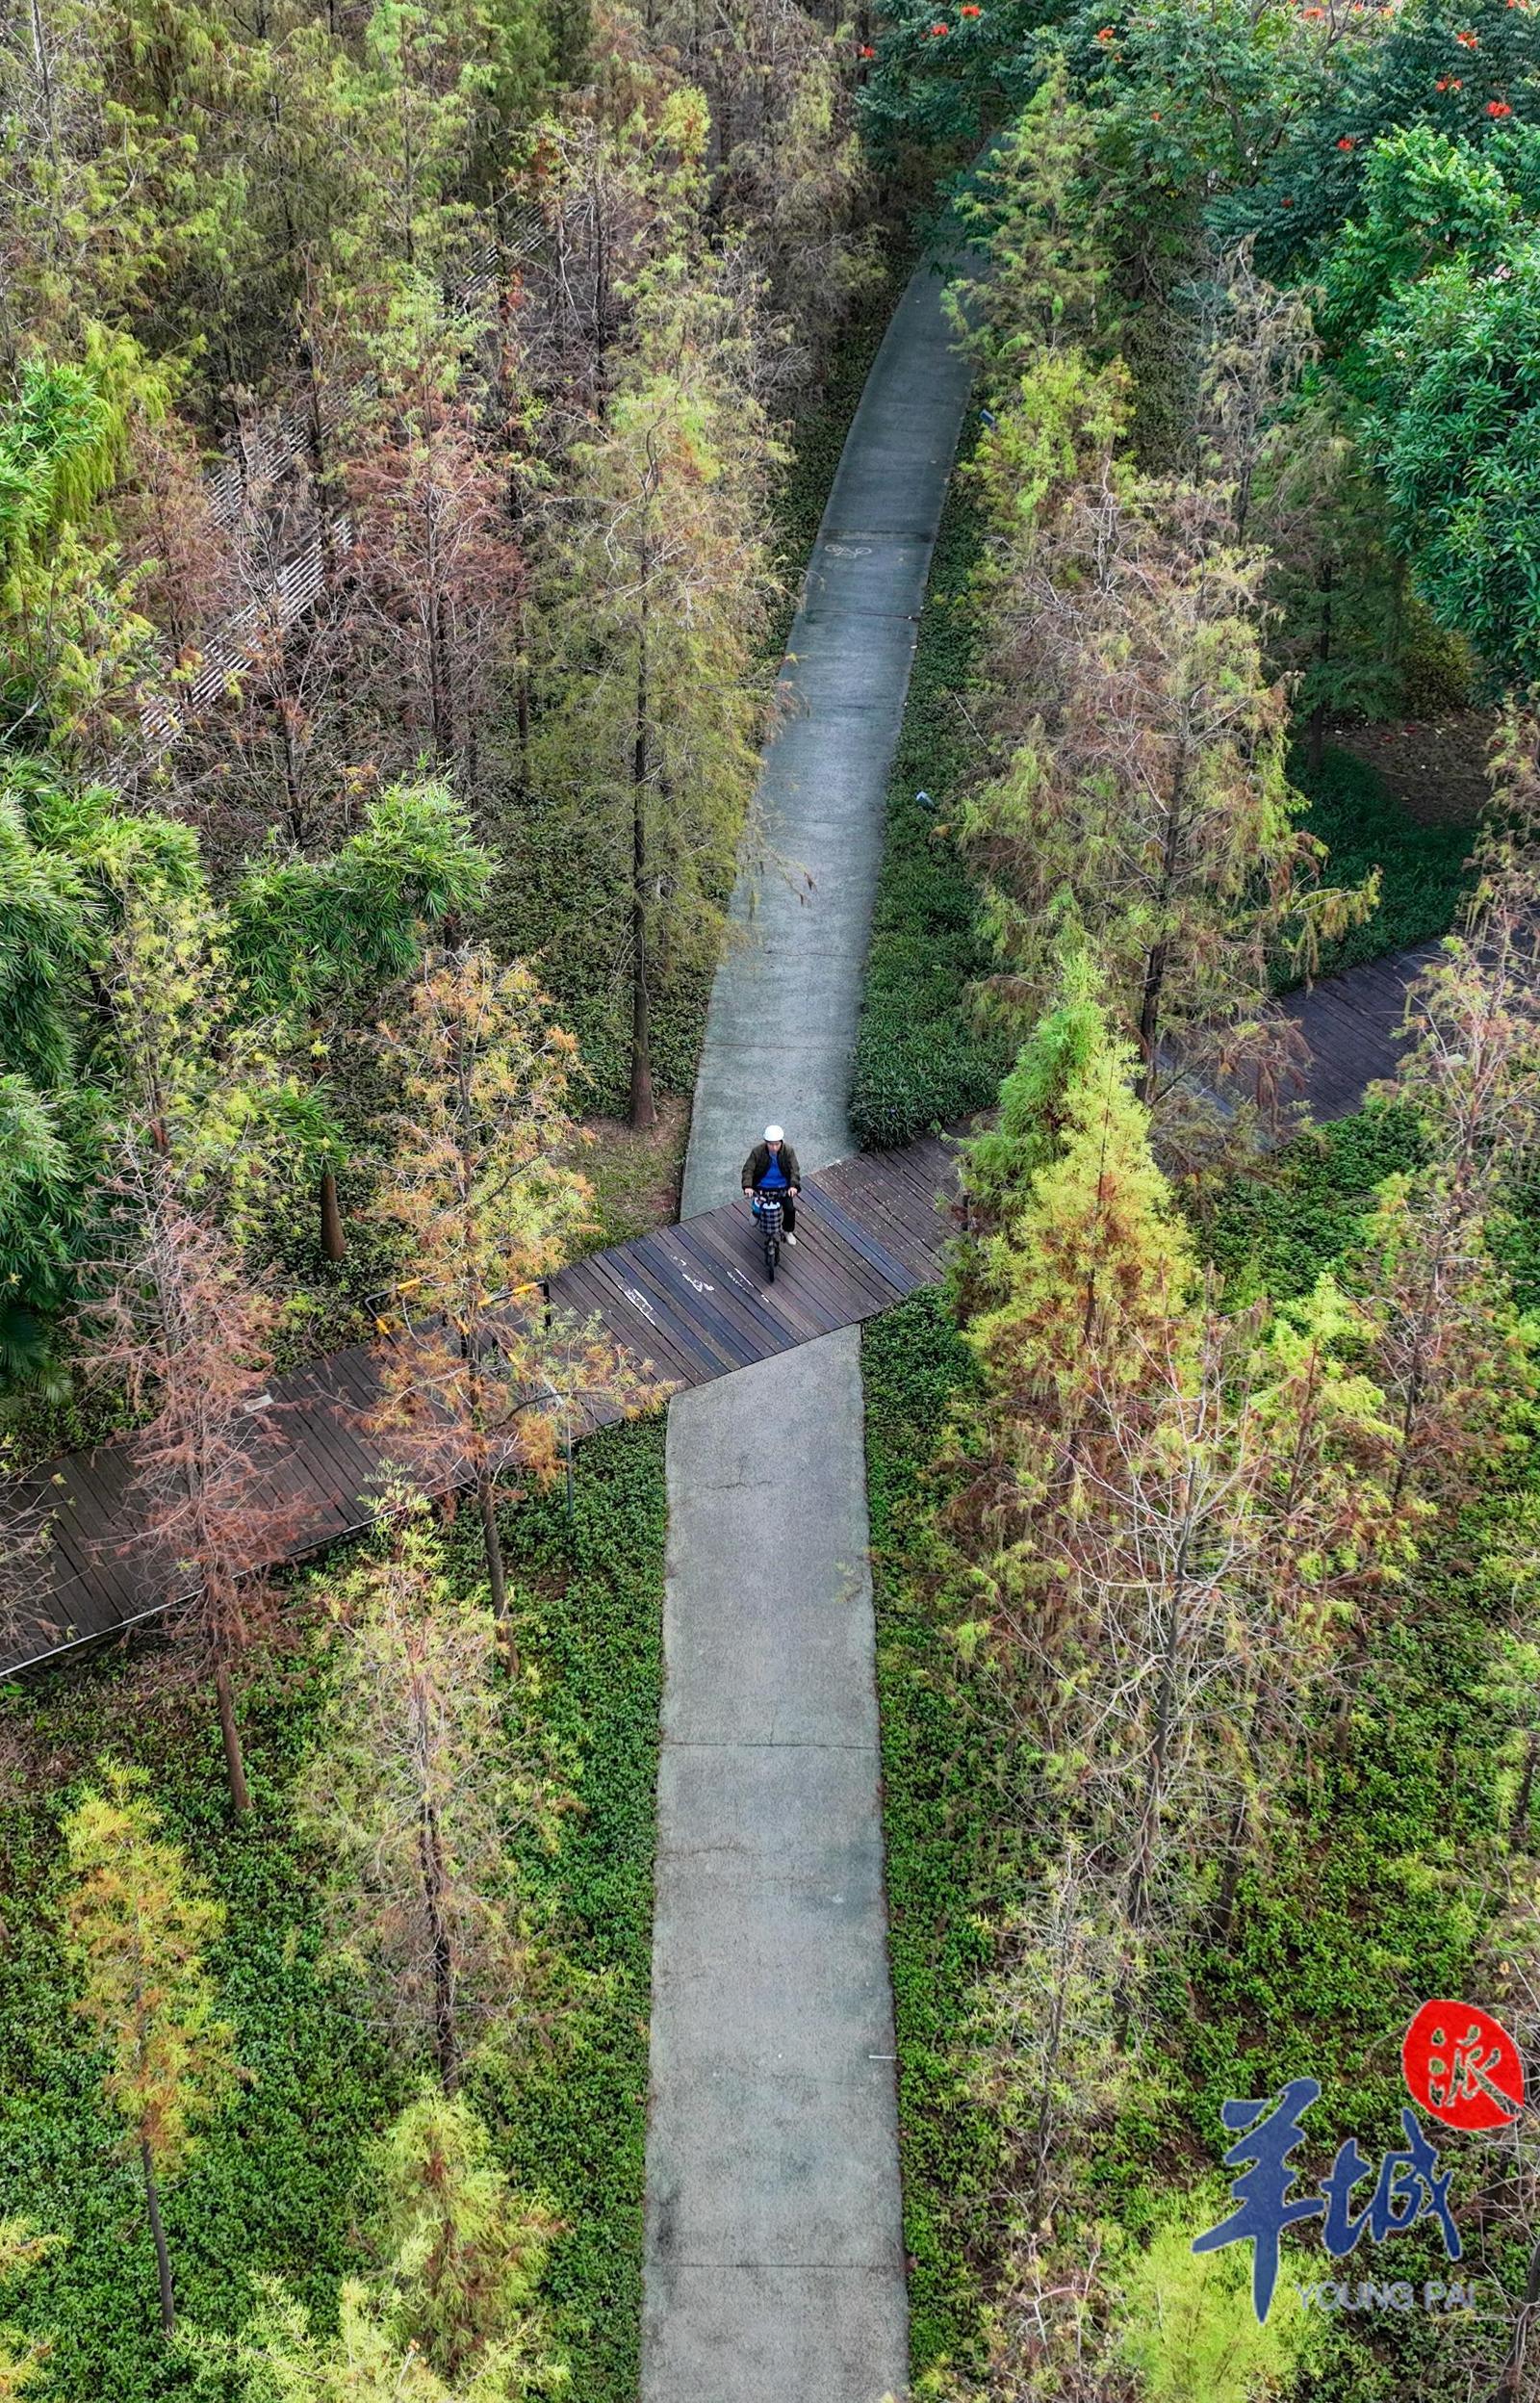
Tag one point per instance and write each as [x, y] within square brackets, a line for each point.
[775, 2264]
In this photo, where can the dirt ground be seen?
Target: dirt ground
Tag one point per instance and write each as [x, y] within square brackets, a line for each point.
[636, 1179]
[1436, 767]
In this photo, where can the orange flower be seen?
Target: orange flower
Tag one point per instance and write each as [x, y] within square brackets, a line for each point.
[970, 8]
[1500, 108]
[1109, 33]
[866, 50]
[938, 29]
[1467, 41]
[1347, 142]
[1443, 84]
[1154, 117]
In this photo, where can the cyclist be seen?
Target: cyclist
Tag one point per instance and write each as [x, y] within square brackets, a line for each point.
[771, 1167]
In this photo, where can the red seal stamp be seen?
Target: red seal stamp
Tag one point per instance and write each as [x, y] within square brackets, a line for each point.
[1461, 2066]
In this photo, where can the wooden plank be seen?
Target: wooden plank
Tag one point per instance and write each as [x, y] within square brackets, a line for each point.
[811, 1290]
[577, 1295]
[894, 1204]
[629, 1326]
[896, 1274]
[693, 1309]
[899, 1206]
[641, 1286]
[926, 1218]
[867, 1288]
[351, 1467]
[918, 1256]
[802, 1304]
[903, 1176]
[718, 1241]
[762, 1334]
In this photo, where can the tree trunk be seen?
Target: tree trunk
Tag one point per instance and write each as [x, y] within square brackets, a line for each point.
[1234, 1862]
[333, 1237]
[163, 2259]
[1318, 715]
[430, 1850]
[234, 1759]
[1525, 1792]
[1160, 1752]
[644, 1110]
[492, 1542]
[1155, 965]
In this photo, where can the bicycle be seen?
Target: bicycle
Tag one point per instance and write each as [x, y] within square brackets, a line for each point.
[771, 1217]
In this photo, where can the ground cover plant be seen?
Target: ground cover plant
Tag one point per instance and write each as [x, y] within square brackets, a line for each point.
[1423, 870]
[284, 2178]
[1388, 1874]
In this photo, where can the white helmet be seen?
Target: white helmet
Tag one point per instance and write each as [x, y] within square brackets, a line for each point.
[775, 1134]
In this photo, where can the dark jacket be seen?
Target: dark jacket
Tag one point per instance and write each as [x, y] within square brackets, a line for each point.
[759, 1161]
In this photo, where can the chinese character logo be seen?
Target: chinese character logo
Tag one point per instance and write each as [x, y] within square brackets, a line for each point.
[1462, 2067]
[1409, 2186]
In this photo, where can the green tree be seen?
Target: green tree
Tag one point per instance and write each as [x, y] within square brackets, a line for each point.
[466, 2255]
[73, 647]
[70, 858]
[1187, 2326]
[417, 1793]
[317, 942]
[1149, 807]
[651, 605]
[1092, 1265]
[39, 1227]
[1451, 425]
[1000, 1162]
[140, 1928]
[482, 1192]
[1032, 208]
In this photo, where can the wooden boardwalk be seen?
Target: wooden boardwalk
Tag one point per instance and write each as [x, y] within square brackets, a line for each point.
[689, 1302]
[1353, 1026]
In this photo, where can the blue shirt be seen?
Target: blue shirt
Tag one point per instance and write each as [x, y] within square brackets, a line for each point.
[775, 1176]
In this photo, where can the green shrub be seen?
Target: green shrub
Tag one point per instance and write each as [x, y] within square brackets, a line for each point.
[1422, 871]
[1439, 670]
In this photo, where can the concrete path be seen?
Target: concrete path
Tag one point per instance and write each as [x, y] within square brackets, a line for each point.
[775, 2268]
